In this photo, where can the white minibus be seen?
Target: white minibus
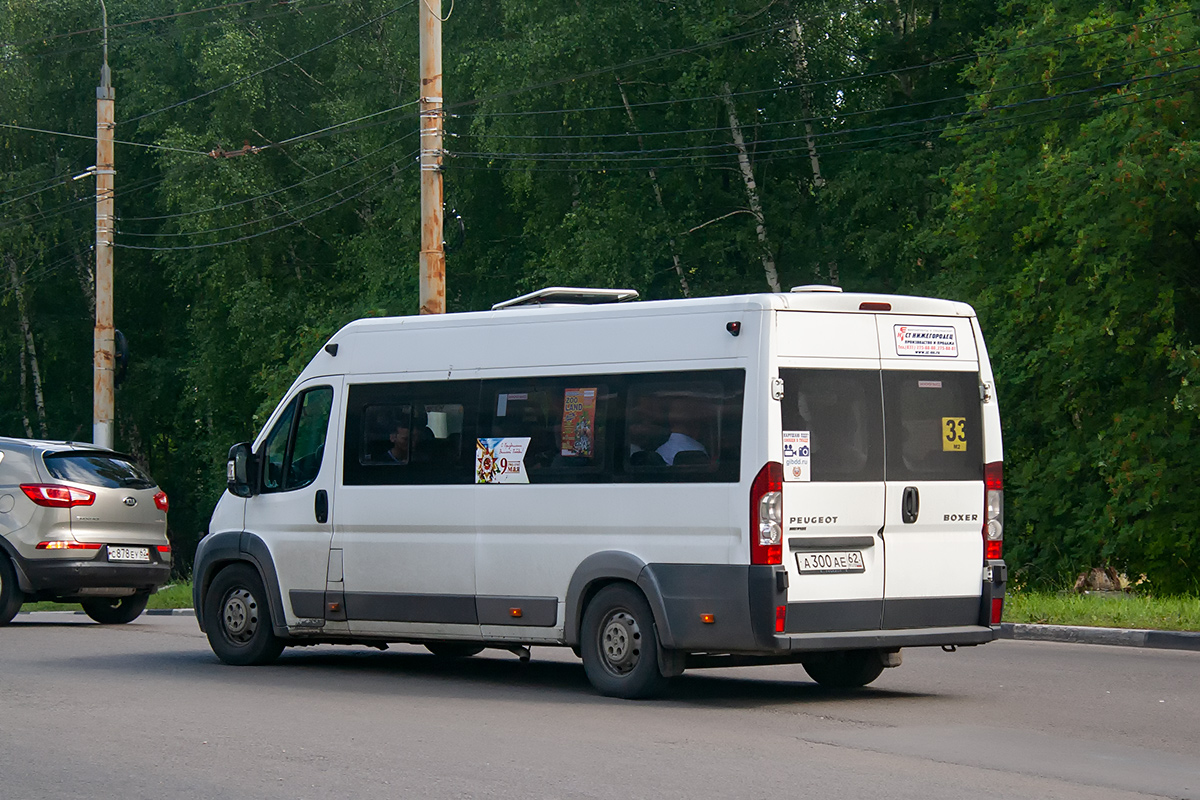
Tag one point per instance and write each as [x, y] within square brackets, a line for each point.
[810, 477]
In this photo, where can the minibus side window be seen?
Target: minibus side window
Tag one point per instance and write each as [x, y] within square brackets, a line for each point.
[841, 410]
[293, 451]
[564, 419]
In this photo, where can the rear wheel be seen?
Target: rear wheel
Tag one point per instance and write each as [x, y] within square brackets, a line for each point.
[844, 669]
[453, 649]
[116, 610]
[238, 620]
[10, 594]
[618, 644]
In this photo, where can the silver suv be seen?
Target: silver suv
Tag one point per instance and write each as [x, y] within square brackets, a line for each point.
[79, 524]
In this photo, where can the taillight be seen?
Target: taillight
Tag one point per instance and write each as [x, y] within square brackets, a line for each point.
[161, 503]
[766, 515]
[993, 511]
[54, 496]
[164, 548]
[61, 545]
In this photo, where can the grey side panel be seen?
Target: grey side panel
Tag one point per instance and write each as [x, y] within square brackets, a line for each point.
[307, 603]
[836, 615]
[691, 590]
[389, 607]
[538, 612]
[256, 548]
[600, 568]
[930, 612]
[228, 546]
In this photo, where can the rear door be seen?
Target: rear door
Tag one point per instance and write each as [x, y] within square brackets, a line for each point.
[932, 536]
[833, 490]
[123, 512]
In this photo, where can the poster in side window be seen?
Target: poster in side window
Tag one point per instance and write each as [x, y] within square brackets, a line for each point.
[579, 423]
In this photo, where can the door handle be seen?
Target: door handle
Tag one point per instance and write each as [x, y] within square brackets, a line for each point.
[910, 504]
[321, 506]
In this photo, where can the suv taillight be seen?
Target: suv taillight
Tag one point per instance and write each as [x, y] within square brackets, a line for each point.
[53, 496]
[993, 511]
[161, 502]
[766, 515]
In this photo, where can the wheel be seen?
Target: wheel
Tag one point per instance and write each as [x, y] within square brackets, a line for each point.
[116, 610]
[618, 644]
[237, 618]
[844, 669]
[453, 649]
[10, 594]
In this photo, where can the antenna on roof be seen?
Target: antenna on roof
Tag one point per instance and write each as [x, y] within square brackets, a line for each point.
[568, 296]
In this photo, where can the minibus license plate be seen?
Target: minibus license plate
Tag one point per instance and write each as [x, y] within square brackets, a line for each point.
[838, 561]
[128, 553]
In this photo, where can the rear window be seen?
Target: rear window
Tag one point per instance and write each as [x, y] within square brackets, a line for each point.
[839, 412]
[93, 469]
[934, 426]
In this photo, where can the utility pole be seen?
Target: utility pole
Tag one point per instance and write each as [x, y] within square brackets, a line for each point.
[103, 347]
[433, 256]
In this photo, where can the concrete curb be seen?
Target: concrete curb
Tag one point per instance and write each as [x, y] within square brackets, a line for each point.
[1123, 637]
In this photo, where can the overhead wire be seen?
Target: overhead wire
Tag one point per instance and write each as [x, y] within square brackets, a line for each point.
[93, 138]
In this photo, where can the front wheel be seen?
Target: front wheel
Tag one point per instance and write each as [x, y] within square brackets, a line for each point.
[844, 669]
[11, 597]
[238, 620]
[116, 610]
[618, 644]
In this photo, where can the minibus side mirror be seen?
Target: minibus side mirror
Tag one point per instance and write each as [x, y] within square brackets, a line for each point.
[238, 472]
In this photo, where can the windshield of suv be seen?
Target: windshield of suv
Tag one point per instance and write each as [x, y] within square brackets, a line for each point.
[94, 469]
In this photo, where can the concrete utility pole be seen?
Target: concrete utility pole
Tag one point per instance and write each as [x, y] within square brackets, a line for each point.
[433, 257]
[103, 348]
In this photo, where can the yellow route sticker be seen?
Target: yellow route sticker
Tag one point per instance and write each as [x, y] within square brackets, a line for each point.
[954, 434]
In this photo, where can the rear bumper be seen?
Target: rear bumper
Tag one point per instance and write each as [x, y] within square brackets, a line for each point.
[57, 577]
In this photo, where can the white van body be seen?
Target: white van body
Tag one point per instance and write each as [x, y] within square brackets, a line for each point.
[866, 423]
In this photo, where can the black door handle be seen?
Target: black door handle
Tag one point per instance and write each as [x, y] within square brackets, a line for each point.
[910, 504]
[321, 506]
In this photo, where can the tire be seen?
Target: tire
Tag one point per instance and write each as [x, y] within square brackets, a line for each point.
[238, 620]
[11, 597]
[454, 649]
[116, 610]
[619, 645]
[844, 669]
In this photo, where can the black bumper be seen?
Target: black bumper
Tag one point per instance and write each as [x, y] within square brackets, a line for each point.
[65, 577]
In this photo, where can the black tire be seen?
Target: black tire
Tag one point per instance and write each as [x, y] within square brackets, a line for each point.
[454, 649]
[116, 610]
[844, 669]
[237, 618]
[11, 597]
[619, 645]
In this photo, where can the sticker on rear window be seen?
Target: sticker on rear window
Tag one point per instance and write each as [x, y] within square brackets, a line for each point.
[797, 456]
[501, 460]
[925, 340]
[954, 434]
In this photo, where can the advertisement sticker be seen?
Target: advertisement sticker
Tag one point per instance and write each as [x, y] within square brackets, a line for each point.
[797, 456]
[925, 340]
[501, 460]
[579, 422]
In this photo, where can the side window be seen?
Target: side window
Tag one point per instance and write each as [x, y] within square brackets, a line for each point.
[295, 447]
[417, 433]
[683, 427]
[934, 426]
[564, 419]
[841, 411]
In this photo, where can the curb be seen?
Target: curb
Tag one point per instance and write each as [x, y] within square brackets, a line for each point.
[154, 612]
[1121, 637]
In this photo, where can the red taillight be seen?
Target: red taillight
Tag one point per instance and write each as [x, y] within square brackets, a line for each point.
[780, 618]
[993, 511]
[869, 306]
[997, 609]
[53, 496]
[164, 548]
[61, 545]
[161, 503]
[766, 515]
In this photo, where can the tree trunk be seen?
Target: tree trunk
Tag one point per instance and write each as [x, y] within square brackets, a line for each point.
[806, 100]
[658, 197]
[27, 335]
[735, 128]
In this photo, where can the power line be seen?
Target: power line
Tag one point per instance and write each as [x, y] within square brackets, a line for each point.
[287, 60]
[130, 23]
[93, 138]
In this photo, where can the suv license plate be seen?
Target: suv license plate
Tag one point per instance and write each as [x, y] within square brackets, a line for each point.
[830, 562]
[128, 553]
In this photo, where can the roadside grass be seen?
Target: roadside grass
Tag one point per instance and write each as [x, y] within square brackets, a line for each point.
[173, 595]
[1103, 610]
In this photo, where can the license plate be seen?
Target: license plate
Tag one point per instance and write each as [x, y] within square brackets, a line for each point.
[837, 561]
[128, 553]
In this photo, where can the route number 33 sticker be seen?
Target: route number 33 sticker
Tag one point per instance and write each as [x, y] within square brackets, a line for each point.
[954, 434]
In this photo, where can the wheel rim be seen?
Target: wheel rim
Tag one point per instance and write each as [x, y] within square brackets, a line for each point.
[620, 642]
[239, 613]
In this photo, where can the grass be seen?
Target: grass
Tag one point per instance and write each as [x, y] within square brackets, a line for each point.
[1104, 610]
[173, 595]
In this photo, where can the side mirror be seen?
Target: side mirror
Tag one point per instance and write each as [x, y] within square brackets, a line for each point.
[238, 470]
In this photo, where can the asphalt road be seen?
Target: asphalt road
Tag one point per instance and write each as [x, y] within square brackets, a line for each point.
[146, 711]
